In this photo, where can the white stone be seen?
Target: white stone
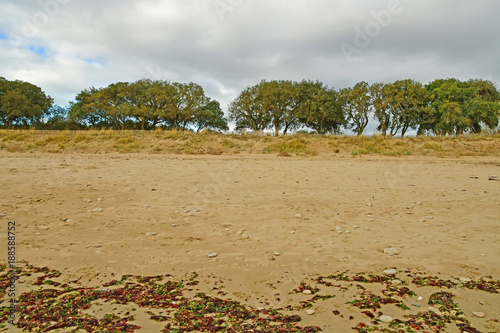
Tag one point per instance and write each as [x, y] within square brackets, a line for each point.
[298, 216]
[391, 271]
[465, 279]
[391, 251]
[386, 319]
[98, 210]
[339, 230]
[276, 253]
[307, 292]
[212, 255]
[310, 312]
[479, 314]
[43, 227]
[149, 234]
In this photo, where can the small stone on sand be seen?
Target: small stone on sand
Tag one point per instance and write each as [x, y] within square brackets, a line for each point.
[479, 314]
[310, 312]
[385, 319]
[391, 251]
[390, 271]
[212, 255]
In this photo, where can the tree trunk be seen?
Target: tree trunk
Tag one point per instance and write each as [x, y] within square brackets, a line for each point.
[276, 129]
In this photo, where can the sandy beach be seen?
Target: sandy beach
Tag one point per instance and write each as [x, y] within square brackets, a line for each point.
[269, 222]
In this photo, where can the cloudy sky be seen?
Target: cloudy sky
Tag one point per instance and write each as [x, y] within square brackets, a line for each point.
[65, 46]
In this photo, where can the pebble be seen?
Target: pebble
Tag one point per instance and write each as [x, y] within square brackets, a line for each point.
[307, 292]
[479, 314]
[482, 302]
[420, 298]
[347, 232]
[43, 227]
[212, 255]
[416, 304]
[87, 200]
[391, 251]
[396, 282]
[196, 211]
[339, 230]
[38, 234]
[97, 245]
[355, 226]
[386, 319]
[98, 210]
[276, 253]
[245, 236]
[147, 206]
[391, 271]
[368, 228]
[292, 232]
[149, 234]
[369, 204]
[463, 236]
[3, 215]
[310, 312]
[465, 279]
[173, 225]
[298, 216]
[100, 199]
[183, 206]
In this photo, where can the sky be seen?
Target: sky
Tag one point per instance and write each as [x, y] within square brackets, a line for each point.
[66, 46]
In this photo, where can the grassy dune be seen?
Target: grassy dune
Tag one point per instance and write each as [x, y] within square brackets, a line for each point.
[179, 142]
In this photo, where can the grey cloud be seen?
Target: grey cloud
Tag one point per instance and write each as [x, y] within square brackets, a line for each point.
[192, 40]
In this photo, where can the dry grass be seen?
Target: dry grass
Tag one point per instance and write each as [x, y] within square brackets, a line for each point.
[180, 142]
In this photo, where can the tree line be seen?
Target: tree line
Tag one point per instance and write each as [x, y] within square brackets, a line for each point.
[442, 107]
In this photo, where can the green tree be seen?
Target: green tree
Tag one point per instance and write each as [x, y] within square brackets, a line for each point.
[408, 98]
[380, 96]
[85, 113]
[185, 101]
[248, 111]
[22, 103]
[320, 108]
[461, 107]
[210, 116]
[356, 103]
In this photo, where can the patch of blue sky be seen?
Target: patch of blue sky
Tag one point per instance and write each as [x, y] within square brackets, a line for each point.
[3, 36]
[40, 50]
[92, 61]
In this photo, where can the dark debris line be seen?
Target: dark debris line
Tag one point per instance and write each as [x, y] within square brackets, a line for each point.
[62, 306]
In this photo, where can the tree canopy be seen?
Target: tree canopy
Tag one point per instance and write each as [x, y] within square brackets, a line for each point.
[22, 103]
[442, 107]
